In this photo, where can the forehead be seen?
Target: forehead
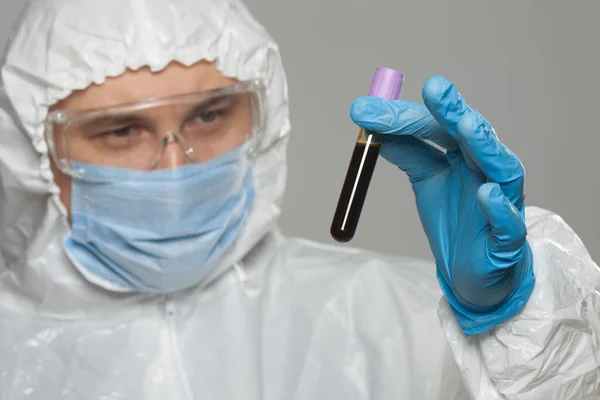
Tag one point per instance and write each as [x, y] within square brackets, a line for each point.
[141, 84]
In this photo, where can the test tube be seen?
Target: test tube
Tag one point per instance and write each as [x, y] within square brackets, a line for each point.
[386, 84]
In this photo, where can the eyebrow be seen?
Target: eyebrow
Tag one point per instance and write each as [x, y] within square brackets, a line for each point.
[196, 108]
[109, 121]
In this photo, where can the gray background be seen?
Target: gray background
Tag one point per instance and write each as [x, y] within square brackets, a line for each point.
[530, 67]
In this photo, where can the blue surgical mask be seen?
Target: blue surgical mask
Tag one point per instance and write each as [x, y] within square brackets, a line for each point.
[157, 231]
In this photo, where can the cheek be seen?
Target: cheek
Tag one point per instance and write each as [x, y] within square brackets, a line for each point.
[64, 184]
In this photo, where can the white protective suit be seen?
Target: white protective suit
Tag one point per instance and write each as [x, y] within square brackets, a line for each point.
[280, 319]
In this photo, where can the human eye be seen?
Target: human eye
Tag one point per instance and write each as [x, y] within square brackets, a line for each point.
[120, 137]
[209, 116]
[207, 121]
[120, 132]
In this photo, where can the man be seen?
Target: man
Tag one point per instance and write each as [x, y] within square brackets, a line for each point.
[142, 164]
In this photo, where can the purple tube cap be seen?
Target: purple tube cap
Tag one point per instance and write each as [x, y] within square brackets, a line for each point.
[387, 83]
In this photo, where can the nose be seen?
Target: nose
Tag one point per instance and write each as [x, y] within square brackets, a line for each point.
[174, 152]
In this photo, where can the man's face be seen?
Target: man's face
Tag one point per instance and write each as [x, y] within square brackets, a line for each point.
[134, 86]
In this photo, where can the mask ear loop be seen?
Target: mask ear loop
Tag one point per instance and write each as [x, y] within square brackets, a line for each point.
[170, 138]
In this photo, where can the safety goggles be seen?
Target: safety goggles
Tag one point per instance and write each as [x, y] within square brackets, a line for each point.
[141, 136]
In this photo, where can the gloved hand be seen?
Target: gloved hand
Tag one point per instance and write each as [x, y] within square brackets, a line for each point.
[470, 199]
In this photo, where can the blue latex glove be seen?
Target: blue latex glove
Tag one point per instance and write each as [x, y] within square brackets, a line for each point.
[470, 199]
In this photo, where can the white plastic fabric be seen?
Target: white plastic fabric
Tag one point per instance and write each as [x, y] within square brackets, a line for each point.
[551, 350]
[280, 318]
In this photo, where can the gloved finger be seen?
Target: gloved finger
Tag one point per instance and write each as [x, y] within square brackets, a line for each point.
[399, 117]
[494, 159]
[507, 225]
[444, 103]
[447, 107]
[418, 159]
